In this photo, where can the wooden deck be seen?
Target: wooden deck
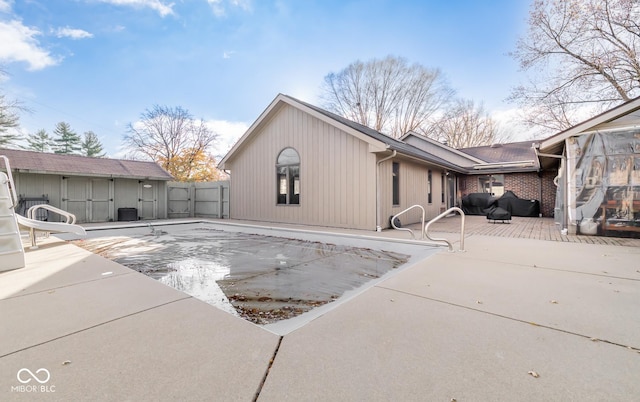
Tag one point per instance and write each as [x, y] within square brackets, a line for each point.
[526, 228]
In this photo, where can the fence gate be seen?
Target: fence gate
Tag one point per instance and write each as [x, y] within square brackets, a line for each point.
[206, 200]
[179, 200]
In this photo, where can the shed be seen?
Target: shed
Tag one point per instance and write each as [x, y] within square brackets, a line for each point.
[93, 189]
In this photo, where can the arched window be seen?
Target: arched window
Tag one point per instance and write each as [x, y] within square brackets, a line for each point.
[288, 177]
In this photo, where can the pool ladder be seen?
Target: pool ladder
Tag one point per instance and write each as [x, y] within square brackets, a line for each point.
[425, 228]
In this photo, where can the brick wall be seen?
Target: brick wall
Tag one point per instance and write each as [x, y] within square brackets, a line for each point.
[529, 186]
[549, 189]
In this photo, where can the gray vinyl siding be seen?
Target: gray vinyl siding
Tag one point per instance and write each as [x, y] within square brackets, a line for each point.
[125, 194]
[413, 190]
[337, 174]
[73, 193]
[36, 185]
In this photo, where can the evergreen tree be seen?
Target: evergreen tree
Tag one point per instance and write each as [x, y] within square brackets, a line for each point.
[40, 141]
[67, 141]
[91, 145]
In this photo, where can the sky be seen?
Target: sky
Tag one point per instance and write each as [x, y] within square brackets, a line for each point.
[99, 64]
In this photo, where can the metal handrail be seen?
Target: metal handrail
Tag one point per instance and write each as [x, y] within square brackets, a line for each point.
[393, 218]
[10, 176]
[442, 215]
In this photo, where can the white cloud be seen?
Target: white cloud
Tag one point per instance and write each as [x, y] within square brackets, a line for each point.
[73, 33]
[229, 132]
[227, 54]
[219, 7]
[511, 122]
[5, 6]
[19, 43]
[243, 4]
[161, 7]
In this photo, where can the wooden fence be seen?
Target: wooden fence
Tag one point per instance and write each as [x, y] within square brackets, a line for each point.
[200, 200]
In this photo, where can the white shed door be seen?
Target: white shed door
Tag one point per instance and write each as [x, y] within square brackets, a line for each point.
[100, 208]
[147, 202]
[75, 195]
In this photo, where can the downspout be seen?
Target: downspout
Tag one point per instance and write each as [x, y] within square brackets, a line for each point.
[378, 196]
[228, 172]
[563, 164]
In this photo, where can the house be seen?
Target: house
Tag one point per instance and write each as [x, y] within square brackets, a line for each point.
[93, 189]
[301, 164]
[598, 172]
[495, 169]
[298, 163]
[514, 167]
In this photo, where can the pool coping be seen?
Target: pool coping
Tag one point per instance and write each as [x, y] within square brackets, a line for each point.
[584, 346]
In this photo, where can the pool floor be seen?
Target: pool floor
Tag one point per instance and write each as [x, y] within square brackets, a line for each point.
[260, 278]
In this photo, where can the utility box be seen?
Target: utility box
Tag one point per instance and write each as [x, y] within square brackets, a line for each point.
[127, 214]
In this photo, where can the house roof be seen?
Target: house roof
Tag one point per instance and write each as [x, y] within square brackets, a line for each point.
[75, 165]
[379, 141]
[505, 158]
[439, 149]
[390, 142]
[555, 143]
[510, 152]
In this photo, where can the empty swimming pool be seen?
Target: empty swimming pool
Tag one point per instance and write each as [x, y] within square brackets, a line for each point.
[256, 273]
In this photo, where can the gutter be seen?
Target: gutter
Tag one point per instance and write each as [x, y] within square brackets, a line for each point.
[529, 163]
[378, 196]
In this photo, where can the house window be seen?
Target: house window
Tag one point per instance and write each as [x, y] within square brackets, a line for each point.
[429, 197]
[442, 188]
[492, 184]
[288, 177]
[396, 183]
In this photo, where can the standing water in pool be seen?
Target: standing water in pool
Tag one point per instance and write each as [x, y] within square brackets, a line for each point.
[260, 278]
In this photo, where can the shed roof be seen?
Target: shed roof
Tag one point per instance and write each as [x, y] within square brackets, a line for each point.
[76, 165]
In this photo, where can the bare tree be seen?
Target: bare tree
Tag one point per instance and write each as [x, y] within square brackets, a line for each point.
[169, 136]
[388, 95]
[583, 57]
[8, 120]
[465, 125]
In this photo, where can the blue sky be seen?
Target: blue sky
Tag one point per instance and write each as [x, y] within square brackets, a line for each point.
[98, 64]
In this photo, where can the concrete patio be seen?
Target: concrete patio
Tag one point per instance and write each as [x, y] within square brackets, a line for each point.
[518, 316]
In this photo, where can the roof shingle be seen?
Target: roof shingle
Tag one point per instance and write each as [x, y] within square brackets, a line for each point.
[48, 163]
